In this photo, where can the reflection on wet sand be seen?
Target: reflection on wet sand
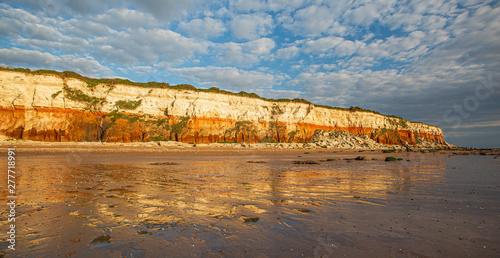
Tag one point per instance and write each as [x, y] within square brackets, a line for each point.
[226, 206]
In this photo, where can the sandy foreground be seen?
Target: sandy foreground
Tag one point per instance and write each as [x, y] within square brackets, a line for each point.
[146, 200]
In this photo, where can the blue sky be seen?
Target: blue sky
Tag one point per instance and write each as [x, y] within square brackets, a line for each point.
[433, 61]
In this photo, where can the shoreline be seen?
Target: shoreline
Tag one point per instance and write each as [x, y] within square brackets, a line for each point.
[173, 146]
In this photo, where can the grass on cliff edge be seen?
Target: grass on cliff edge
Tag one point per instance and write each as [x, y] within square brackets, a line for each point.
[92, 82]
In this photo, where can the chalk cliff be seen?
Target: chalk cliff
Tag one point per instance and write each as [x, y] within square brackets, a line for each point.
[50, 107]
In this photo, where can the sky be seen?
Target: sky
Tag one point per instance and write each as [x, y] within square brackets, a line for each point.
[431, 61]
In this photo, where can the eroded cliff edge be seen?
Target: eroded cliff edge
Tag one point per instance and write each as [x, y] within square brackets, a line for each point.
[48, 107]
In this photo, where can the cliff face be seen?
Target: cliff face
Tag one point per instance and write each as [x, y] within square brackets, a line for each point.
[51, 108]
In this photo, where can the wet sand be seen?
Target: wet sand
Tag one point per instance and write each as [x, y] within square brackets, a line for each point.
[130, 201]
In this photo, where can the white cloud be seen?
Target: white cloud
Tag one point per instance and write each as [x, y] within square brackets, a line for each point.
[84, 28]
[288, 52]
[442, 7]
[329, 66]
[416, 44]
[222, 12]
[411, 22]
[433, 22]
[41, 60]
[358, 63]
[482, 125]
[278, 94]
[483, 18]
[203, 28]
[126, 18]
[363, 15]
[169, 10]
[41, 36]
[245, 53]
[149, 46]
[331, 46]
[265, 5]
[10, 27]
[404, 21]
[331, 87]
[261, 46]
[277, 5]
[229, 77]
[66, 45]
[346, 48]
[17, 22]
[314, 21]
[144, 71]
[161, 10]
[39, 32]
[321, 45]
[404, 43]
[247, 5]
[18, 14]
[76, 7]
[251, 26]
[22, 56]
[357, 87]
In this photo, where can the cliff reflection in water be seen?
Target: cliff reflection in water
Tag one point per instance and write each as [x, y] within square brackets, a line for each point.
[222, 206]
[221, 188]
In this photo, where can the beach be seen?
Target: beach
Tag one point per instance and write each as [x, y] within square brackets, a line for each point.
[223, 200]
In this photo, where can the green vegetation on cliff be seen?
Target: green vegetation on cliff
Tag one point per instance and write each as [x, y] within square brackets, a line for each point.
[56, 94]
[78, 95]
[179, 126]
[115, 116]
[130, 104]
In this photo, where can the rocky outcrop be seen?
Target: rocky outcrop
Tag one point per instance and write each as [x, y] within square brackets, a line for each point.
[49, 107]
[346, 140]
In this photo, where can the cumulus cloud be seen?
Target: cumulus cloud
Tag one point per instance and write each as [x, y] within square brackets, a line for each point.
[327, 87]
[288, 52]
[408, 21]
[331, 46]
[149, 46]
[229, 77]
[203, 28]
[322, 45]
[404, 21]
[251, 26]
[405, 48]
[54, 8]
[315, 20]
[168, 9]
[15, 22]
[346, 48]
[363, 15]
[442, 7]
[265, 5]
[247, 5]
[84, 28]
[125, 18]
[278, 94]
[247, 53]
[162, 10]
[41, 60]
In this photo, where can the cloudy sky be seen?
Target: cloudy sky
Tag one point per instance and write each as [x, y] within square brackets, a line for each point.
[433, 61]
